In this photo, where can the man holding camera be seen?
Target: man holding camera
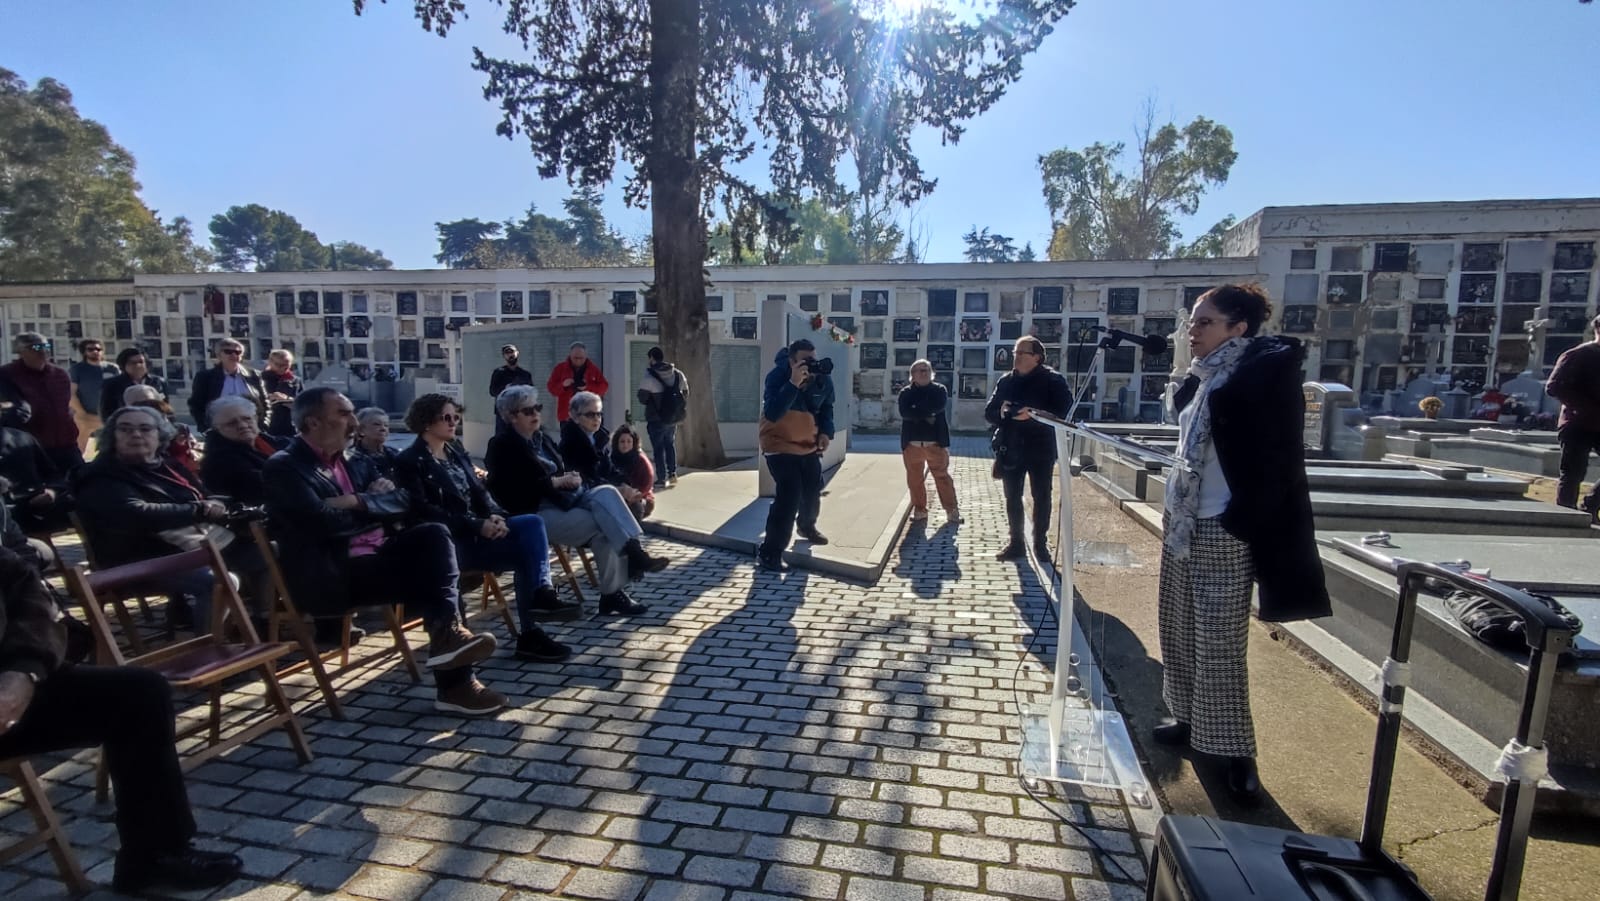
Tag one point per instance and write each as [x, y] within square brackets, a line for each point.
[796, 426]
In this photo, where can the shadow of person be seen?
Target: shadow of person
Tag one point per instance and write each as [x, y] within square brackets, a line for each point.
[928, 560]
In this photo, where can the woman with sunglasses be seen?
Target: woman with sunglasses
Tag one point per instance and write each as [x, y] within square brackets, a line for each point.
[443, 488]
[1238, 511]
[528, 474]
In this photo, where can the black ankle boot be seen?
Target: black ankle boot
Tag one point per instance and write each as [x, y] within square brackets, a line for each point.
[1041, 550]
[640, 561]
[1243, 782]
[1171, 732]
[1016, 550]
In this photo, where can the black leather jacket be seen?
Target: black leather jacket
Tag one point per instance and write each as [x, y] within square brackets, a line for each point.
[234, 470]
[517, 480]
[434, 496]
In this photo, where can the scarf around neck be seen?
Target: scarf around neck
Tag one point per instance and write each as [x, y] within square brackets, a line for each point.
[1183, 482]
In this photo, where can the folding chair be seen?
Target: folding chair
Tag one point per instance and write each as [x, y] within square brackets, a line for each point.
[493, 595]
[571, 577]
[203, 662]
[124, 618]
[50, 833]
[284, 611]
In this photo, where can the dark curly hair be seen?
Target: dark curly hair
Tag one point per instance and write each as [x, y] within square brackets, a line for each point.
[426, 410]
[1241, 303]
[126, 354]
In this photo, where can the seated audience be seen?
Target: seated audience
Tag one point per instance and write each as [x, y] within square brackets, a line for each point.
[237, 451]
[46, 705]
[181, 450]
[585, 443]
[630, 468]
[372, 440]
[135, 368]
[34, 489]
[136, 504]
[445, 489]
[527, 474]
[329, 512]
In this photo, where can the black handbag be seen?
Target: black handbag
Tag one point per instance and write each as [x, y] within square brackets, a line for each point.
[1496, 626]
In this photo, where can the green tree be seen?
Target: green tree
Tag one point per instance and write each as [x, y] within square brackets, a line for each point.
[467, 243]
[254, 238]
[348, 255]
[683, 91]
[1099, 212]
[983, 247]
[69, 202]
[1208, 244]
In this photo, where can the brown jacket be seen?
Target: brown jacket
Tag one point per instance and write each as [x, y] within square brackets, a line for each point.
[1576, 383]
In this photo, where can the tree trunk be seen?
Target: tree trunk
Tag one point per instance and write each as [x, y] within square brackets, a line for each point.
[678, 233]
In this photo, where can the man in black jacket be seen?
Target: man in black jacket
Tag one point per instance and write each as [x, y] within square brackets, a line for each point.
[229, 377]
[1026, 448]
[33, 487]
[506, 376]
[46, 705]
[328, 512]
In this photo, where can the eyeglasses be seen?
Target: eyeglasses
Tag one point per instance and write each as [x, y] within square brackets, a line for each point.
[232, 351]
[135, 429]
[592, 414]
[93, 348]
[449, 417]
[1030, 353]
[534, 410]
[40, 347]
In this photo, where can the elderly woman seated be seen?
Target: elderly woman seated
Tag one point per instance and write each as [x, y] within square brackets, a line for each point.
[445, 489]
[180, 450]
[135, 504]
[237, 451]
[586, 446]
[528, 474]
[371, 444]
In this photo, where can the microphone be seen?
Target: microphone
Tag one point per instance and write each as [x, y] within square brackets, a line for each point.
[1150, 344]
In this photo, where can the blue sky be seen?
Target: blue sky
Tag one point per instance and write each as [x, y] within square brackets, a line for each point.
[370, 130]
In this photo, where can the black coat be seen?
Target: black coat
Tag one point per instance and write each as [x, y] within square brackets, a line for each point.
[1043, 389]
[207, 387]
[922, 414]
[434, 496]
[588, 455]
[517, 480]
[1257, 427]
[111, 393]
[314, 538]
[124, 507]
[234, 470]
[280, 417]
[25, 465]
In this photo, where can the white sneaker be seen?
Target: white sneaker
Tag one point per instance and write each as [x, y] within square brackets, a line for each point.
[918, 515]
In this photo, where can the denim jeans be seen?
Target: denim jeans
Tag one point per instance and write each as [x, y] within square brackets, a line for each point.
[663, 448]
[525, 551]
[602, 521]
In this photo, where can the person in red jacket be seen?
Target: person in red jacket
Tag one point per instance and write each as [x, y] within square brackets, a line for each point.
[46, 390]
[630, 467]
[576, 373]
[1575, 381]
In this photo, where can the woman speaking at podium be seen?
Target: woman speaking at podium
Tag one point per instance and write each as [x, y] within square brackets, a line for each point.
[1238, 511]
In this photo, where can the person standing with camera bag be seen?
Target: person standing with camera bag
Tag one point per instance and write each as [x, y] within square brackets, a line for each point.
[1023, 447]
[796, 426]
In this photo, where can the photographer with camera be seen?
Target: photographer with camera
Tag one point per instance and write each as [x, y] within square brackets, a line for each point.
[575, 374]
[796, 426]
[1023, 447]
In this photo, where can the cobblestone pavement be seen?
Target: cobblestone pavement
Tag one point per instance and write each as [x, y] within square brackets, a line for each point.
[752, 736]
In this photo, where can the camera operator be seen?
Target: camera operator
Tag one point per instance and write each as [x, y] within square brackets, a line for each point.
[796, 426]
[1024, 447]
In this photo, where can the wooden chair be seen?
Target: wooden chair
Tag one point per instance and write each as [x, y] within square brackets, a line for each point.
[570, 577]
[50, 833]
[492, 594]
[116, 600]
[203, 662]
[284, 611]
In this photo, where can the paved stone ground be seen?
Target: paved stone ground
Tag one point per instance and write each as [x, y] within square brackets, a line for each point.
[753, 736]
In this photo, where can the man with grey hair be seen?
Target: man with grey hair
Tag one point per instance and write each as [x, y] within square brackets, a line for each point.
[228, 378]
[1575, 381]
[574, 374]
[44, 391]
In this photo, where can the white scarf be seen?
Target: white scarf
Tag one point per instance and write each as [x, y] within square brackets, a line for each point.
[1183, 482]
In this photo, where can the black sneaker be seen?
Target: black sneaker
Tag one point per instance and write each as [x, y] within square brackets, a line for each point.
[771, 564]
[533, 644]
[619, 604]
[185, 869]
[813, 536]
[659, 485]
[548, 606]
[1041, 550]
